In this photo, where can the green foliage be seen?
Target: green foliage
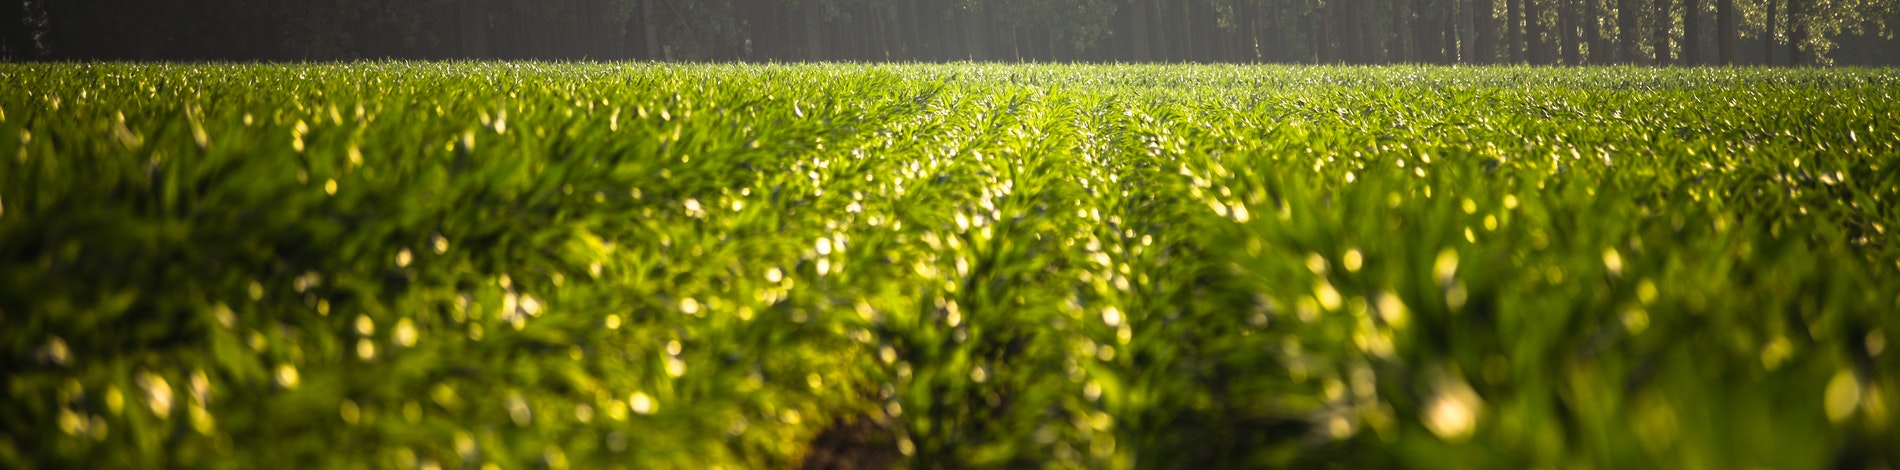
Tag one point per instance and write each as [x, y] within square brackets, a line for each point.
[1076, 24]
[532, 264]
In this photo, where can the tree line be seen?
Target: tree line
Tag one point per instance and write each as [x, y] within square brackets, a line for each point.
[1543, 32]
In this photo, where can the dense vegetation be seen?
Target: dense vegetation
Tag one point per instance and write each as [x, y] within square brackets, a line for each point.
[1596, 32]
[531, 264]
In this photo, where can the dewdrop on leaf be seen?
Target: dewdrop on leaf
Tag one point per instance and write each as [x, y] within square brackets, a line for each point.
[640, 403]
[1454, 412]
[1446, 266]
[1613, 261]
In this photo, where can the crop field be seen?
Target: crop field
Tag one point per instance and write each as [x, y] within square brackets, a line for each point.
[569, 265]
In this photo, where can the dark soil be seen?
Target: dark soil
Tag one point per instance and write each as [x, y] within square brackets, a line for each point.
[854, 443]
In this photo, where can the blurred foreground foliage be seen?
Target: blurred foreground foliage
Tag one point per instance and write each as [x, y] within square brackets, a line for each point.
[449, 265]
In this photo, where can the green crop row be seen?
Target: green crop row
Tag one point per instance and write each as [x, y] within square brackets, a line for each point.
[453, 265]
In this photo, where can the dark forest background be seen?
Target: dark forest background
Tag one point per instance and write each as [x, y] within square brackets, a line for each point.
[1569, 32]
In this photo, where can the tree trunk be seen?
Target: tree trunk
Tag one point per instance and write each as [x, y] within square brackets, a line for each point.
[1276, 38]
[1137, 19]
[1422, 51]
[1691, 32]
[1725, 31]
[1189, 46]
[1797, 33]
[1468, 33]
[1157, 18]
[891, 28]
[1627, 34]
[1449, 24]
[1659, 35]
[1514, 14]
[1536, 34]
[976, 33]
[1349, 36]
[1447, 31]
[13, 37]
[1593, 33]
[651, 26]
[950, 43]
[1372, 49]
[1341, 32]
[814, 18]
[914, 37]
[1485, 31]
[1567, 34]
[474, 30]
[1250, 32]
[1328, 27]
[1768, 37]
[616, 32]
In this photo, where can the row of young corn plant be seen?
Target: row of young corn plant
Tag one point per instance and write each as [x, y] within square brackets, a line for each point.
[597, 265]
